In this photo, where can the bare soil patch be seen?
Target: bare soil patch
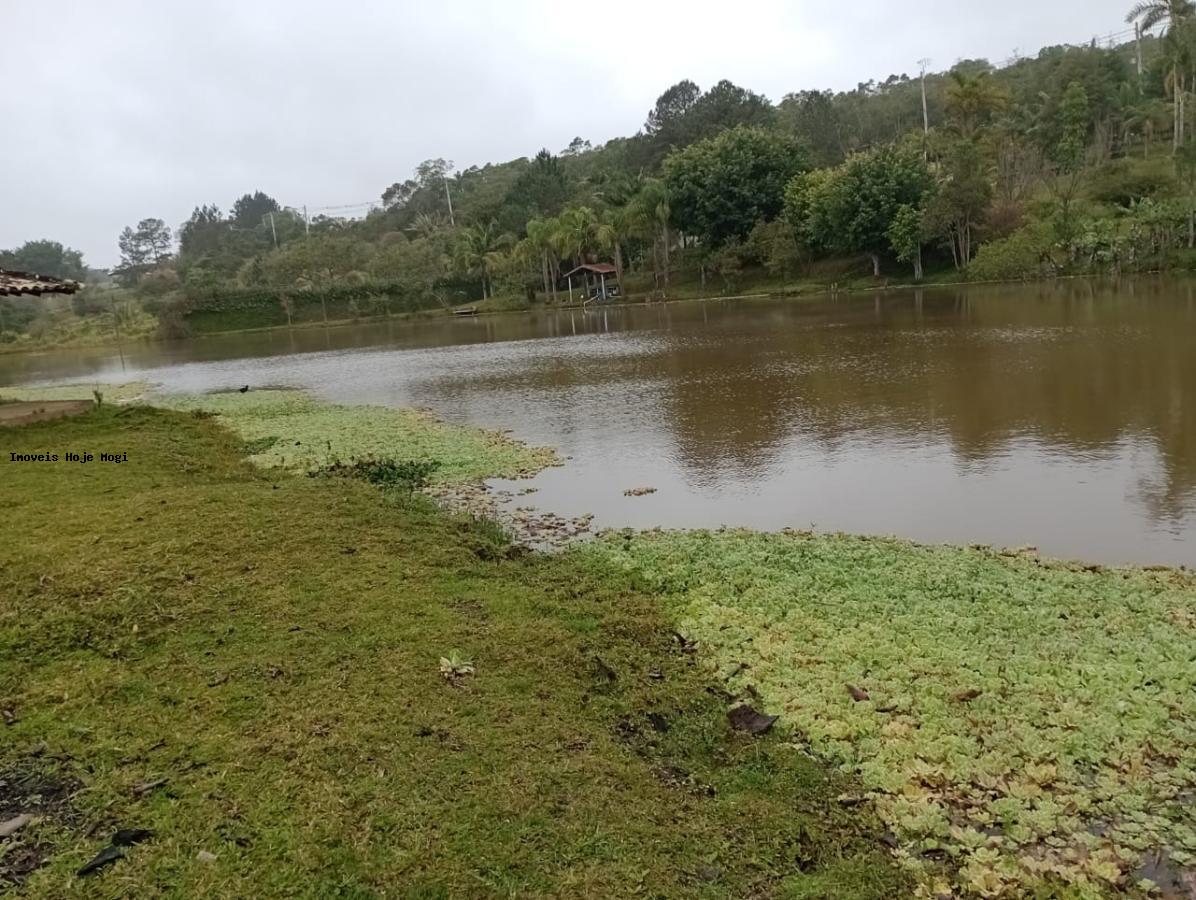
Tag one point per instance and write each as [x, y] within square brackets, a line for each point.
[26, 412]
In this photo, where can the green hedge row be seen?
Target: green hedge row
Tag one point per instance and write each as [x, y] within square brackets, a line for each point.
[232, 299]
[231, 309]
[226, 299]
[265, 315]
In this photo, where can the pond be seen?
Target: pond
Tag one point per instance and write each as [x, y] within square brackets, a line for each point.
[1060, 415]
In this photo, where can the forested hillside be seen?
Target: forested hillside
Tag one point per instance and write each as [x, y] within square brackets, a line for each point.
[1076, 160]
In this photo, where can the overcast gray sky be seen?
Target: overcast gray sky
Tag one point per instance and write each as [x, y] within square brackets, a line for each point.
[124, 109]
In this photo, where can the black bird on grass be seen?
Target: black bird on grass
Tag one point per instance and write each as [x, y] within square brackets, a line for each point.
[244, 390]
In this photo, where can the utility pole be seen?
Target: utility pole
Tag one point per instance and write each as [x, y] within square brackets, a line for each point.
[925, 109]
[272, 230]
[449, 197]
[306, 222]
[1138, 43]
[120, 347]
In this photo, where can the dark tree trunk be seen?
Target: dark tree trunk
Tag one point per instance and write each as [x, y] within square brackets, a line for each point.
[665, 244]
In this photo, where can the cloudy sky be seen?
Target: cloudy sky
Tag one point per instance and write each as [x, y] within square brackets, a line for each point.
[111, 112]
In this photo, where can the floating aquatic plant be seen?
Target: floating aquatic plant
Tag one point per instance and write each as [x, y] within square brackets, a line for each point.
[296, 432]
[1016, 723]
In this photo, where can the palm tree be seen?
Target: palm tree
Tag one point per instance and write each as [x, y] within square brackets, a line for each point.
[972, 99]
[615, 227]
[580, 225]
[1143, 118]
[1185, 171]
[1178, 45]
[653, 202]
[480, 251]
[1169, 13]
[575, 234]
[539, 241]
[427, 224]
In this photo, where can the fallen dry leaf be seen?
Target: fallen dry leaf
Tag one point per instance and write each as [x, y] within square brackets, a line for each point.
[744, 718]
[13, 825]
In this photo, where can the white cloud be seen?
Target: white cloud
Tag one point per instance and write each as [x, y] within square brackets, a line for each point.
[135, 108]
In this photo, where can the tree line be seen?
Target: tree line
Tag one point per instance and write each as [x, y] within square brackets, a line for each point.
[1076, 159]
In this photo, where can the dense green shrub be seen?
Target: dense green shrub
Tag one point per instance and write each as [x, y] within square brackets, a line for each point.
[1124, 182]
[260, 307]
[1024, 254]
[409, 475]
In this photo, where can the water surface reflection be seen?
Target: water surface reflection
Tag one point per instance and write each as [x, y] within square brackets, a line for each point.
[1058, 415]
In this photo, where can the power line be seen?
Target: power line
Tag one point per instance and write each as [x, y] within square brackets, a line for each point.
[363, 204]
[1124, 35]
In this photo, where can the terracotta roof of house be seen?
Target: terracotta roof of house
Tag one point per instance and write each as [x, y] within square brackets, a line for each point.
[13, 283]
[596, 268]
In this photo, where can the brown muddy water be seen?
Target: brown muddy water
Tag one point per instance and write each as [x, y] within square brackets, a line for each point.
[1061, 416]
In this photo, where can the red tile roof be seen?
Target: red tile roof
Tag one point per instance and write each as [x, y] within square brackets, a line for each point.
[13, 283]
[595, 268]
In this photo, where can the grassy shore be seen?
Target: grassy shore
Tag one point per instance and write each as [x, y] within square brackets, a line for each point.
[95, 330]
[248, 663]
[269, 646]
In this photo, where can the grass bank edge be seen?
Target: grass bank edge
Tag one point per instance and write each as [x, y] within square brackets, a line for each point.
[169, 626]
[756, 288]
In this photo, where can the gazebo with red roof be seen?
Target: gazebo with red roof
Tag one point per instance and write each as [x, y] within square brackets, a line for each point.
[586, 270]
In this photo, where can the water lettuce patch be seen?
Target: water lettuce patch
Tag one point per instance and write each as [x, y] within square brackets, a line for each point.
[1016, 723]
[293, 431]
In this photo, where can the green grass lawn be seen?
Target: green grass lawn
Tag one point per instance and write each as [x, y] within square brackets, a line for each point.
[246, 661]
